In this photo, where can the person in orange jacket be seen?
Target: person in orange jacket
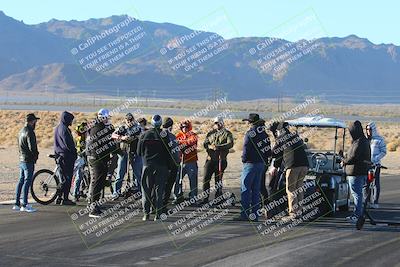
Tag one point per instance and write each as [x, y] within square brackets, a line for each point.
[187, 142]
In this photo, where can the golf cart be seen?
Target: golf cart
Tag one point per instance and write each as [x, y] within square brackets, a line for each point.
[325, 173]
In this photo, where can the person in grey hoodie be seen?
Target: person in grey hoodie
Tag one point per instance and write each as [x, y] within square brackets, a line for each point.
[378, 151]
[64, 146]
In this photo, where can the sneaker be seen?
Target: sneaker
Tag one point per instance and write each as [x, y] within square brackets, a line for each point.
[205, 201]
[96, 213]
[58, 200]
[115, 197]
[16, 208]
[352, 219]
[67, 202]
[146, 217]
[157, 218]
[27, 208]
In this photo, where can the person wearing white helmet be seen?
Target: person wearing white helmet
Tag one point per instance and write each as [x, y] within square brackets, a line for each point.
[153, 148]
[99, 146]
[217, 144]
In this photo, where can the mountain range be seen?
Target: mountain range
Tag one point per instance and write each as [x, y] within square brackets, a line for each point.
[165, 60]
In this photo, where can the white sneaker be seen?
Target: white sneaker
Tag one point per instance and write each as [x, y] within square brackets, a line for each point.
[352, 219]
[16, 208]
[27, 208]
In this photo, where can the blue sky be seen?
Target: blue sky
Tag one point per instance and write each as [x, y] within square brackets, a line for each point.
[376, 20]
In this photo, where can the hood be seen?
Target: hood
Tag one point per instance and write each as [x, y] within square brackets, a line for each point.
[67, 118]
[373, 128]
[356, 130]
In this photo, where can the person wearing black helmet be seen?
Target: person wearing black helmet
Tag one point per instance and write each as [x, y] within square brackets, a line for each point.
[28, 155]
[128, 135]
[153, 147]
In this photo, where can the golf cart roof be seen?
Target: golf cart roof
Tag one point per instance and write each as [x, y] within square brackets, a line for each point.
[318, 121]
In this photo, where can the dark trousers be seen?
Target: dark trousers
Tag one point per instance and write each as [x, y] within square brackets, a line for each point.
[173, 172]
[153, 178]
[98, 173]
[212, 167]
[67, 170]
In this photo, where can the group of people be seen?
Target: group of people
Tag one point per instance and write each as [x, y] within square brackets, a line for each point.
[160, 159]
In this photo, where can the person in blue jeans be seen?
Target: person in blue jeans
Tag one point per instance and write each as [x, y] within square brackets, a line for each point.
[128, 135]
[256, 151]
[28, 155]
[356, 166]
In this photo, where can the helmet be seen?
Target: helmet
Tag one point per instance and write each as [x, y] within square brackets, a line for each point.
[219, 120]
[81, 128]
[129, 117]
[156, 121]
[103, 113]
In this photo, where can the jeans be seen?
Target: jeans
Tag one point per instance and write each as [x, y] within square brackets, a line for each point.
[191, 169]
[25, 181]
[67, 170]
[357, 184]
[136, 164]
[79, 164]
[98, 173]
[250, 182]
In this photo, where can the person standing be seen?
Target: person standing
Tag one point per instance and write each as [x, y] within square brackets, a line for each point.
[289, 149]
[256, 152]
[217, 144]
[28, 155]
[153, 147]
[128, 135]
[356, 166]
[80, 163]
[173, 163]
[64, 146]
[378, 152]
[187, 140]
[99, 147]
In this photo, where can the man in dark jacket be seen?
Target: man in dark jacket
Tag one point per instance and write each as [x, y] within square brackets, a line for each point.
[256, 151]
[28, 155]
[217, 144]
[290, 149]
[99, 146]
[356, 166]
[64, 146]
[153, 147]
[173, 162]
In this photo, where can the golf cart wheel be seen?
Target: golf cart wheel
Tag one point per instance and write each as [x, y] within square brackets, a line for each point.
[328, 207]
[360, 222]
[44, 187]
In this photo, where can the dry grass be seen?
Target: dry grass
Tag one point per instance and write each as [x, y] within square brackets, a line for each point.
[12, 121]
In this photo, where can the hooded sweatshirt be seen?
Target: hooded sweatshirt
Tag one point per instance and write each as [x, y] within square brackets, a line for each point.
[64, 144]
[377, 144]
[359, 154]
[187, 145]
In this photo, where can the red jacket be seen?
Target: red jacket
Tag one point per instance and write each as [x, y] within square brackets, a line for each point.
[188, 145]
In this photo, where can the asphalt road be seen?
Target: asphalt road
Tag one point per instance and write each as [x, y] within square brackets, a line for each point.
[60, 236]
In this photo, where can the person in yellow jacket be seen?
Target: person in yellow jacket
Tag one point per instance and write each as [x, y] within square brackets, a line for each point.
[80, 162]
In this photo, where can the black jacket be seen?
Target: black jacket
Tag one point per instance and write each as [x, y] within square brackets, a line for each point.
[64, 144]
[359, 154]
[154, 148]
[290, 148]
[256, 146]
[99, 144]
[28, 151]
